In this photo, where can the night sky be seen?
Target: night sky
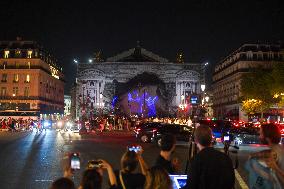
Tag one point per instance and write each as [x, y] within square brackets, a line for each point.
[205, 30]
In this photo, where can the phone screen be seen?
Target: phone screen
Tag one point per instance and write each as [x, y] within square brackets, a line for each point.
[75, 161]
[134, 148]
[178, 181]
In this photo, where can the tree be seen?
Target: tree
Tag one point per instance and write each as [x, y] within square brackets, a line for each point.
[256, 91]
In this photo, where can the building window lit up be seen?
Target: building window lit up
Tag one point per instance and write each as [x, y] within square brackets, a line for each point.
[30, 54]
[4, 65]
[29, 65]
[6, 54]
[28, 79]
[16, 78]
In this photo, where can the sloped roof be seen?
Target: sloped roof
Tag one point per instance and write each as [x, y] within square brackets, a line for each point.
[137, 54]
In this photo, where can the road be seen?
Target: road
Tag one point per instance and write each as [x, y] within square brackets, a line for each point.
[33, 160]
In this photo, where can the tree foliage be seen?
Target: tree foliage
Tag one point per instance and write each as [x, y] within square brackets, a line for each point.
[263, 86]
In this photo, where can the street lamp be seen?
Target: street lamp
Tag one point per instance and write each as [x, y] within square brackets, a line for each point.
[90, 60]
[202, 87]
[75, 61]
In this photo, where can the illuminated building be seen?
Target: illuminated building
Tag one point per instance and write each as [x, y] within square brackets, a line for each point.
[67, 105]
[140, 81]
[31, 84]
[228, 73]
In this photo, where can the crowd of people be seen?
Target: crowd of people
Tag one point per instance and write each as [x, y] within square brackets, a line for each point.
[19, 124]
[109, 123]
[209, 168]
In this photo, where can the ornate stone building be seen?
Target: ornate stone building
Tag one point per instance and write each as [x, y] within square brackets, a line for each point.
[99, 83]
[32, 83]
[228, 73]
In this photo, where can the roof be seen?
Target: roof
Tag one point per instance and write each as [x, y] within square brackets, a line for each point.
[137, 54]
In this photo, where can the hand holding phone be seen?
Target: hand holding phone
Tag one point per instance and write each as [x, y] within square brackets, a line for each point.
[135, 148]
[75, 161]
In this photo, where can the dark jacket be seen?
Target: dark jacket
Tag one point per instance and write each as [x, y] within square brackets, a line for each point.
[211, 169]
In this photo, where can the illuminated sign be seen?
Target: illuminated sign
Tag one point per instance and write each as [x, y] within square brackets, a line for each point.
[54, 72]
[193, 99]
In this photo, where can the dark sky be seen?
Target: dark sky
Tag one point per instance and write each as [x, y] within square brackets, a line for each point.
[205, 30]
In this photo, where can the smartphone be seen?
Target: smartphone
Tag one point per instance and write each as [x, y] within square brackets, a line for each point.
[93, 164]
[75, 161]
[226, 138]
[178, 181]
[134, 148]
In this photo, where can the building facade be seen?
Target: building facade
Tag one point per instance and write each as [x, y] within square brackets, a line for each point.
[99, 83]
[32, 84]
[67, 105]
[228, 73]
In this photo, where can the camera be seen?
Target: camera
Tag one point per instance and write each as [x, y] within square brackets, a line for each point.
[93, 164]
[75, 161]
[135, 148]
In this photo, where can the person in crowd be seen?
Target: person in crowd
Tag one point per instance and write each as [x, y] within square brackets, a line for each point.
[266, 168]
[210, 168]
[164, 160]
[126, 177]
[62, 183]
[158, 178]
[93, 176]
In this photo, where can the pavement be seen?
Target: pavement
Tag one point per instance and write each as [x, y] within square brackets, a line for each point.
[33, 160]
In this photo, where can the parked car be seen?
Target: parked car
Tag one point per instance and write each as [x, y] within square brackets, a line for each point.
[153, 132]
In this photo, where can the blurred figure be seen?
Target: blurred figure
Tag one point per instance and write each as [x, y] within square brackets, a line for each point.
[158, 178]
[164, 160]
[63, 183]
[209, 169]
[93, 176]
[126, 177]
[266, 168]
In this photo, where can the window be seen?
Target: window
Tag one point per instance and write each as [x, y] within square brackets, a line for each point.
[6, 54]
[4, 65]
[3, 91]
[29, 65]
[18, 53]
[30, 52]
[16, 78]
[4, 78]
[28, 79]
[27, 91]
[15, 91]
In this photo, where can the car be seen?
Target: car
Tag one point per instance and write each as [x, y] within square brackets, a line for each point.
[153, 132]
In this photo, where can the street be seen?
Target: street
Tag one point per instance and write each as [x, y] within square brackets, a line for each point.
[33, 160]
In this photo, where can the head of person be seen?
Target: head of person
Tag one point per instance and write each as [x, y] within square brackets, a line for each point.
[168, 143]
[129, 161]
[269, 134]
[203, 136]
[91, 179]
[158, 178]
[63, 183]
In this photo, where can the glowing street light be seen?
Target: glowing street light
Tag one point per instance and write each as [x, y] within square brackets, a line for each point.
[90, 60]
[202, 87]
[206, 64]
[76, 61]
[14, 94]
